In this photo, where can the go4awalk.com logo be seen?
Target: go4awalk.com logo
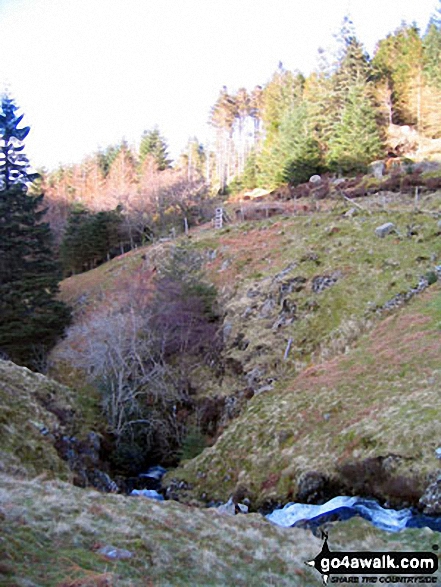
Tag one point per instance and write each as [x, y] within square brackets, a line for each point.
[358, 567]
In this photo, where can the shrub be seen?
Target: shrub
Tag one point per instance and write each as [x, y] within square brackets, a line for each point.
[193, 444]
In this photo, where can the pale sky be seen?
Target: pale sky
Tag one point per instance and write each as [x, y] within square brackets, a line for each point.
[87, 73]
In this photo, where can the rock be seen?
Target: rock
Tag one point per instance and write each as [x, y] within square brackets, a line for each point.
[284, 319]
[294, 284]
[227, 329]
[148, 493]
[102, 481]
[403, 297]
[426, 166]
[225, 265]
[247, 313]
[254, 377]
[263, 389]
[231, 509]
[310, 256]
[83, 458]
[315, 179]
[151, 479]
[384, 229]
[285, 272]
[377, 169]
[241, 342]
[350, 213]
[253, 293]
[113, 553]
[312, 488]
[431, 498]
[321, 191]
[289, 307]
[228, 508]
[322, 282]
[267, 308]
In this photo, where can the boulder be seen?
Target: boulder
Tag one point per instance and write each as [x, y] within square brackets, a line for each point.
[267, 308]
[312, 488]
[148, 493]
[384, 229]
[294, 284]
[377, 169]
[322, 282]
[315, 179]
[431, 498]
[231, 508]
[112, 553]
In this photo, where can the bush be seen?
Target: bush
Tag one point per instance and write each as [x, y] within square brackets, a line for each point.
[140, 356]
[193, 444]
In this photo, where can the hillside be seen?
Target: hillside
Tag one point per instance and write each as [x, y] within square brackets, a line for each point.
[329, 384]
[331, 331]
[363, 423]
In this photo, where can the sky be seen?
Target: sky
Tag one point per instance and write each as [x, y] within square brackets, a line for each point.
[88, 73]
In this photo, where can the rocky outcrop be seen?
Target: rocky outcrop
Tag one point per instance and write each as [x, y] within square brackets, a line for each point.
[430, 501]
[41, 431]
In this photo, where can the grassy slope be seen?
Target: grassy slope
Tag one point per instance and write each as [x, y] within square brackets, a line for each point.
[381, 396]
[379, 399]
[50, 533]
[339, 408]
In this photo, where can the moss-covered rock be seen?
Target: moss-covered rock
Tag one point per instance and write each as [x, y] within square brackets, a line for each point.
[38, 419]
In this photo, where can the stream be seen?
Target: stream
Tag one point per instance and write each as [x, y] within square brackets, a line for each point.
[343, 508]
[312, 516]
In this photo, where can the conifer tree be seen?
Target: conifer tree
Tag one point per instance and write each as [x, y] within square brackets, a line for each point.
[294, 155]
[432, 49]
[152, 143]
[399, 61]
[356, 139]
[301, 151]
[31, 319]
[90, 239]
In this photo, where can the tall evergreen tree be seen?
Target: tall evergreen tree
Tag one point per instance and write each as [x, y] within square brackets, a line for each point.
[432, 52]
[294, 155]
[429, 96]
[90, 239]
[398, 60]
[356, 139]
[301, 151]
[107, 156]
[31, 319]
[152, 143]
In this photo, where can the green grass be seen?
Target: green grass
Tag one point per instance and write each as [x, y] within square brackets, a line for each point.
[381, 398]
[51, 532]
[370, 271]
[356, 384]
